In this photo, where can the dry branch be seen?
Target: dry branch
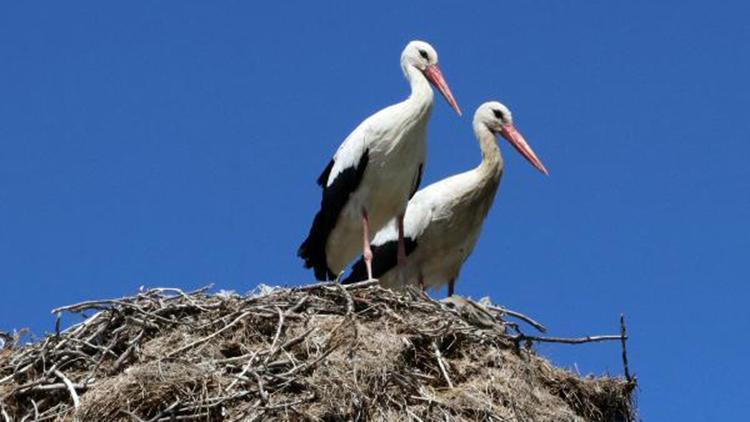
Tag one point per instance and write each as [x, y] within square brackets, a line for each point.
[623, 337]
[567, 340]
[515, 314]
[71, 388]
[444, 371]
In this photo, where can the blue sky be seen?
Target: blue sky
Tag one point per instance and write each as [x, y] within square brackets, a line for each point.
[177, 144]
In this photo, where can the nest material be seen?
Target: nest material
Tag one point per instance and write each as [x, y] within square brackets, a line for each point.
[320, 352]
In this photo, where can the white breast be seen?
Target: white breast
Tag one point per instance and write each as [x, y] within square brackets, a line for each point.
[445, 219]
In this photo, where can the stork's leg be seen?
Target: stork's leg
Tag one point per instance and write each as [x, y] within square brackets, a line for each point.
[401, 244]
[422, 286]
[451, 287]
[366, 250]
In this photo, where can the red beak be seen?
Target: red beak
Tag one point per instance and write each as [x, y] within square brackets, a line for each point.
[515, 138]
[433, 74]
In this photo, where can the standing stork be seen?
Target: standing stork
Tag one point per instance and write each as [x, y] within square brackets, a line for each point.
[375, 171]
[443, 220]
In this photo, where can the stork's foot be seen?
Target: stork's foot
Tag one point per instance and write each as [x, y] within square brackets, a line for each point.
[422, 288]
[424, 295]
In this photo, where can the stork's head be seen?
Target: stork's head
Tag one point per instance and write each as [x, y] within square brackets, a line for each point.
[498, 119]
[424, 58]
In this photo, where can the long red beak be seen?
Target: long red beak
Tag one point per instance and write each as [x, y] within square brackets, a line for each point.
[515, 138]
[435, 76]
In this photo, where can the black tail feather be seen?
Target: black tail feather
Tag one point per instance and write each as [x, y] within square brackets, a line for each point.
[313, 250]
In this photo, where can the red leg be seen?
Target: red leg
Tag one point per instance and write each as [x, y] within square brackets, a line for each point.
[421, 283]
[451, 287]
[366, 250]
[401, 244]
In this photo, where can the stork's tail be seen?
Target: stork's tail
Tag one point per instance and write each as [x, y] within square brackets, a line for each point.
[313, 250]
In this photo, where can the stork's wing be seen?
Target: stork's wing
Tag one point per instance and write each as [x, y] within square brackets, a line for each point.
[339, 180]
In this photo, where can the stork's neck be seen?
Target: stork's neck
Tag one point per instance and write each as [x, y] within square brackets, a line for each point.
[479, 185]
[421, 91]
[492, 161]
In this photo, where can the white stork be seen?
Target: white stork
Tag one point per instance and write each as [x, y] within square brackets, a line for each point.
[443, 220]
[375, 171]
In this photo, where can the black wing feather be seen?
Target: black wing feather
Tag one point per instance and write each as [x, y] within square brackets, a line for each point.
[384, 258]
[335, 197]
[419, 181]
[323, 178]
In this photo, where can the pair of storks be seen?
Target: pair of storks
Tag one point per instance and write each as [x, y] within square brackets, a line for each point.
[371, 205]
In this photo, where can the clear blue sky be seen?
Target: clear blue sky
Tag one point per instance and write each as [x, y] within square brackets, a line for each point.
[176, 144]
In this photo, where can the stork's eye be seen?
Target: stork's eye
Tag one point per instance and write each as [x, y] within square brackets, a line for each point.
[498, 114]
[423, 54]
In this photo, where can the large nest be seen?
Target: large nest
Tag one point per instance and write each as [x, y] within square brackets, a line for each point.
[321, 352]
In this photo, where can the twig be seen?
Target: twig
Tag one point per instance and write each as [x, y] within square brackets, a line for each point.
[261, 390]
[439, 357]
[36, 409]
[518, 315]
[75, 329]
[51, 387]
[205, 339]
[623, 338]
[272, 350]
[297, 305]
[317, 360]
[361, 284]
[123, 357]
[107, 304]
[87, 304]
[324, 284]
[165, 411]
[71, 388]
[135, 417]
[299, 338]
[184, 295]
[416, 418]
[566, 340]
[243, 372]
[312, 286]
[6, 417]
[197, 416]
[349, 299]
